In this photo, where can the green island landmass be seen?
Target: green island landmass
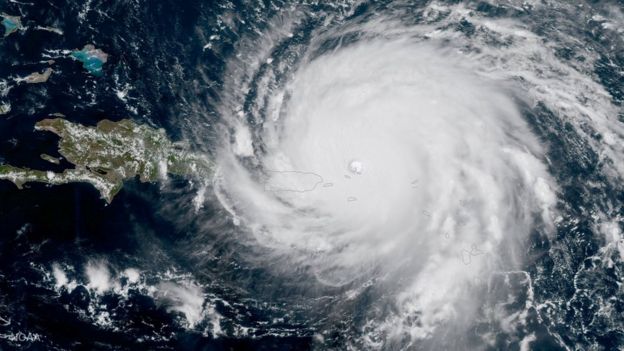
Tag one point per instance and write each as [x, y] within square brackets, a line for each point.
[110, 153]
[5, 108]
[50, 159]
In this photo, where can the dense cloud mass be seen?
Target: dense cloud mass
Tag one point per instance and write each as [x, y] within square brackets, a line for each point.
[448, 183]
[398, 154]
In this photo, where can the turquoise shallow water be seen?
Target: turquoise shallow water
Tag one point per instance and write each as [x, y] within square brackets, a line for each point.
[9, 26]
[91, 63]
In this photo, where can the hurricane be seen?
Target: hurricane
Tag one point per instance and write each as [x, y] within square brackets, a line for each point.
[390, 153]
[383, 175]
[419, 165]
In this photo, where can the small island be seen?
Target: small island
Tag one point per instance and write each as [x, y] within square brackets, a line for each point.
[92, 59]
[11, 24]
[5, 108]
[50, 159]
[36, 77]
[110, 153]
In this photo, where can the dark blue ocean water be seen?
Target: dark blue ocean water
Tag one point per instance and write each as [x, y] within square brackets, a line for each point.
[154, 48]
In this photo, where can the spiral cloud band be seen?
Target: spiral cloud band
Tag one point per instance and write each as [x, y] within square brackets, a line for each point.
[382, 154]
[391, 155]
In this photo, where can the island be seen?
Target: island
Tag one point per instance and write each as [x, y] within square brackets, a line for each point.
[92, 59]
[50, 159]
[11, 24]
[109, 153]
[5, 108]
[36, 77]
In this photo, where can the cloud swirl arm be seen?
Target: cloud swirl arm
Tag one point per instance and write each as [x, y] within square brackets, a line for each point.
[431, 178]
